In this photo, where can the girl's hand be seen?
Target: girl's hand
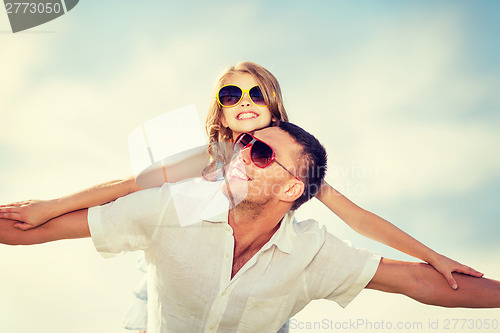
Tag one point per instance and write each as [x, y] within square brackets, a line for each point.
[446, 266]
[28, 213]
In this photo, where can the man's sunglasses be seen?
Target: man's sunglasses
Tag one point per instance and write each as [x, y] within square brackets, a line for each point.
[231, 95]
[261, 154]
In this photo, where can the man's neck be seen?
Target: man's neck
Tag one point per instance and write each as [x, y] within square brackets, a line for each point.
[250, 234]
[254, 233]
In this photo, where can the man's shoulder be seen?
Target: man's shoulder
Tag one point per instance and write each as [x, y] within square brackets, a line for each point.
[306, 226]
[309, 230]
[316, 233]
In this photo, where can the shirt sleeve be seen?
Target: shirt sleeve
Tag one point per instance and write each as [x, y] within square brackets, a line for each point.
[339, 272]
[130, 222]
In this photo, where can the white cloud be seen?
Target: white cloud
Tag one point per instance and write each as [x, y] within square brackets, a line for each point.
[65, 129]
[399, 103]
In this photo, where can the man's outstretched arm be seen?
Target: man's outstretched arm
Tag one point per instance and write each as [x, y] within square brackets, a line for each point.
[68, 226]
[424, 284]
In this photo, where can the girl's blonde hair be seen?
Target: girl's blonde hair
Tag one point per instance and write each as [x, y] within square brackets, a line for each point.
[269, 86]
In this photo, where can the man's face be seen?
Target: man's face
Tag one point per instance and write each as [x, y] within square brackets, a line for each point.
[252, 187]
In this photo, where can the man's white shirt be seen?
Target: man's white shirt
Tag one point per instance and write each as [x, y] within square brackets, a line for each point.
[188, 244]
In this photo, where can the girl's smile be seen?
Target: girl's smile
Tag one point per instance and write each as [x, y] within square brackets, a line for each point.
[245, 116]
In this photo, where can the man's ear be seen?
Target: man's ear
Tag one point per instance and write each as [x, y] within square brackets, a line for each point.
[293, 190]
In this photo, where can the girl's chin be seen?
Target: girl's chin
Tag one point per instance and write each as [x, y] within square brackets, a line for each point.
[250, 126]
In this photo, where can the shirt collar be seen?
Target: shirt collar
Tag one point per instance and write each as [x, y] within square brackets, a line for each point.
[282, 238]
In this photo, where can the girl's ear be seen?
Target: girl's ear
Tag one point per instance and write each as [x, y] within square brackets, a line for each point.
[223, 121]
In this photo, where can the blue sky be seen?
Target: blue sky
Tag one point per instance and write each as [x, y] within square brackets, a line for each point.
[407, 90]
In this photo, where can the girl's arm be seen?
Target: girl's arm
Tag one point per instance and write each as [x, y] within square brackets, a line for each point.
[32, 213]
[380, 230]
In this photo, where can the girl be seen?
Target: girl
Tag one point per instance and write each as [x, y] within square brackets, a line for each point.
[247, 97]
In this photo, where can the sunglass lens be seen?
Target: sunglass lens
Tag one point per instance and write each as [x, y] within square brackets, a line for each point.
[229, 95]
[261, 154]
[256, 96]
[242, 141]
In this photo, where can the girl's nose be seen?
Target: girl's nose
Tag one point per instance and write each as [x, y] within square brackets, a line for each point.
[245, 100]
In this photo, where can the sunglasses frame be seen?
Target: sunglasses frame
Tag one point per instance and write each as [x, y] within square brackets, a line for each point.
[243, 91]
[251, 144]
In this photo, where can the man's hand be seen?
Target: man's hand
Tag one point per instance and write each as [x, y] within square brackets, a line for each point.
[67, 226]
[12, 236]
[28, 213]
[446, 266]
[426, 285]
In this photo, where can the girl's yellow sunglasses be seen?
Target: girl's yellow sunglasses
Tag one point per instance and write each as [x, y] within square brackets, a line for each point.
[230, 95]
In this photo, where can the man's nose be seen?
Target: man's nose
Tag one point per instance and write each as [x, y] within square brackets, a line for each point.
[244, 155]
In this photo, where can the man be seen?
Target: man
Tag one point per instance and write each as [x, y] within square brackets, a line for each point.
[235, 260]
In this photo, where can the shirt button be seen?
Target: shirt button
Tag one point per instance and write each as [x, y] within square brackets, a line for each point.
[224, 293]
[211, 328]
[227, 255]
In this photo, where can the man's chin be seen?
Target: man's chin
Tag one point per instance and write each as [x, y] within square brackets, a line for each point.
[236, 191]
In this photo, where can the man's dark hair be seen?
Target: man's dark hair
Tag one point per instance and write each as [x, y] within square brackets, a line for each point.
[311, 164]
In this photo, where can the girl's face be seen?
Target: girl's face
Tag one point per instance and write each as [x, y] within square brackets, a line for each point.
[244, 116]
